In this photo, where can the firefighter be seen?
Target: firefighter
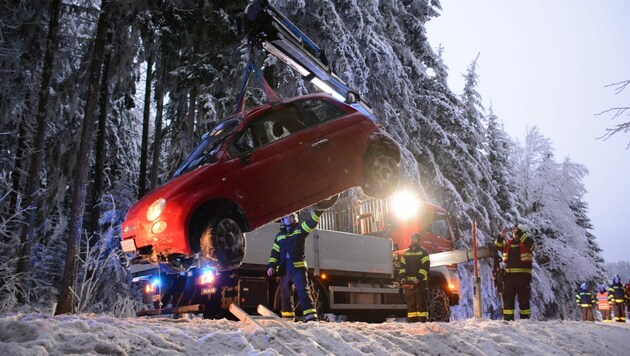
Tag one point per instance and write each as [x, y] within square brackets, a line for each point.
[617, 296]
[602, 303]
[585, 301]
[288, 261]
[517, 257]
[414, 274]
[628, 296]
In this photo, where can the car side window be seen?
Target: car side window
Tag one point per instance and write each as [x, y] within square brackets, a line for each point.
[317, 111]
[243, 144]
[268, 128]
[276, 125]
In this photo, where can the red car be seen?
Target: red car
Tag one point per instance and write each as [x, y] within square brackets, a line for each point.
[254, 168]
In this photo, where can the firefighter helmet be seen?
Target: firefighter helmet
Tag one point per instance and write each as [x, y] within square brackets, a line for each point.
[286, 220]
[521, 228]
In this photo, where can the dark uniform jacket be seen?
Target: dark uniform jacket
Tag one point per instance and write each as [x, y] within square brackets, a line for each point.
[290, 241]
[415, 263]
[617, 293]
[585, 299]
[517, 254]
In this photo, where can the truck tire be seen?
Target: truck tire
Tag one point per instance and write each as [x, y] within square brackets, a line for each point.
[381, 172]
[223, 243]
[439, 309]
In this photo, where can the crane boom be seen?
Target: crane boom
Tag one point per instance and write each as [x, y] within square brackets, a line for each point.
[269, 28]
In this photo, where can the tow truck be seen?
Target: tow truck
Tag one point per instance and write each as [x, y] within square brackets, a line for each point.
[352, 256]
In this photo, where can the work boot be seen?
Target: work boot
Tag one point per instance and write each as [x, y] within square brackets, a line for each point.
[310, 317]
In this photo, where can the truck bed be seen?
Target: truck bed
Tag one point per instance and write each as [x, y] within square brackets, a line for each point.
[328, 250]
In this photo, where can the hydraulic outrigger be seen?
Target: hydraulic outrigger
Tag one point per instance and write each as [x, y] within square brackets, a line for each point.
[265, 26]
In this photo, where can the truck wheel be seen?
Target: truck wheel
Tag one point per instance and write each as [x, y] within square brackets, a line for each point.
[223, 243]
[380, 173]
[438, 304]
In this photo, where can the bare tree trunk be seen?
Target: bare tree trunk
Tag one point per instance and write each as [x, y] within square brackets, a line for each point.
[16, 175]
[32, 183]
[144, 148]
[99, 164]
[157, 137]
[79, 187]
[190, 120]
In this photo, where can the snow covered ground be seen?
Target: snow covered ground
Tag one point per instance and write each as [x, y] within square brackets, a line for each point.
[38, 334]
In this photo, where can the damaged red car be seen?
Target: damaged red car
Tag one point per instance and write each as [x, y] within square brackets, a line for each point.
[254, 168]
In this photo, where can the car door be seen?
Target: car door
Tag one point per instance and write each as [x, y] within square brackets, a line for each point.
[342, 136]
[275, 164]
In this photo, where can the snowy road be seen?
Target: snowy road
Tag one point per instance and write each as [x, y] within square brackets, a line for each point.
[36, 334]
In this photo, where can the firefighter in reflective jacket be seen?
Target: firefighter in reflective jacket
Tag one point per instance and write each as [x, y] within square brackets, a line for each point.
[517, 257]
[414, 274]
[585, 301]
[602, 303]
[288, 261]
[617, 297]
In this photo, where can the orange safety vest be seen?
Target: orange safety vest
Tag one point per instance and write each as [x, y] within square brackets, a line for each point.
[602, 301]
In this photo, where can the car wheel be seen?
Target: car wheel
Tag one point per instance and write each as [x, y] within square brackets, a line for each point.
[380, 173]
[223, 243]
[438, 304]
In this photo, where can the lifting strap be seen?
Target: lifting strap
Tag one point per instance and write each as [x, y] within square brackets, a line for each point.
[269, 92]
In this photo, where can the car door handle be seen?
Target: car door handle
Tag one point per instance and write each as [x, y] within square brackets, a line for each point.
[320, 143]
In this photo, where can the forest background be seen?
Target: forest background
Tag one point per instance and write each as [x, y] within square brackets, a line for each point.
[101, 100]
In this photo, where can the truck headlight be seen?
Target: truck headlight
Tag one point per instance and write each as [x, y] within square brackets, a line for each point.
[405, 205]
[156, 209]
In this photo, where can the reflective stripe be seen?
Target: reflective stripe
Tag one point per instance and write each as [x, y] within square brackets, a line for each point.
[526, 312]
[585, 305]
[309, 311]
[298, 264]
[281, 237]
[413, 253]
[508, 311]
[518, 270]
[286, 314]
[276, 247]
[273, 260]
[423, 272]
[402, 271]
[425, 259]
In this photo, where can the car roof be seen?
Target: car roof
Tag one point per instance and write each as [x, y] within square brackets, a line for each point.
[262, 108]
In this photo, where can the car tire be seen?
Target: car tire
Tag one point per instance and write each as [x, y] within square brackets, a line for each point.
[381, 173]
[223, 243]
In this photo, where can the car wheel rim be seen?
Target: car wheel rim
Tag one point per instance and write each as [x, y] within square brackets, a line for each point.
[384, 172]
[229, 243]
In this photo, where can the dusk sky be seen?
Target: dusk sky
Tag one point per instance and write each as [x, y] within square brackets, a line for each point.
[546, 64]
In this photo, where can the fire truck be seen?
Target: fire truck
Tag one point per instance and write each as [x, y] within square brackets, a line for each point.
[352, 258]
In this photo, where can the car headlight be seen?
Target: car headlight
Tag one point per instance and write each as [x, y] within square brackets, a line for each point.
[156, 209]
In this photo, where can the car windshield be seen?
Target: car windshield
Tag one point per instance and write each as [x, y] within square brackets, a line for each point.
[204, 152]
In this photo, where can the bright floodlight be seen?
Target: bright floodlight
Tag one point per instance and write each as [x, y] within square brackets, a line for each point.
[405, 204]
